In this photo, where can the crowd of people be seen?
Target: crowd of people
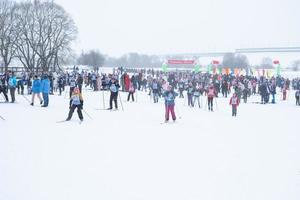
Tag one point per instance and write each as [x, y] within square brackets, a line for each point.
[158, 85]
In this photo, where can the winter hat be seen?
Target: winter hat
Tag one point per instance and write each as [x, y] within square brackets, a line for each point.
[76, 90]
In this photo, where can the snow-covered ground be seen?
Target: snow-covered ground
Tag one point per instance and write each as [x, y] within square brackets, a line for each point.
[128, 155]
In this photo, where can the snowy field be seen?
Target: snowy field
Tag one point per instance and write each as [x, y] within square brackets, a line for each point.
[130, 155]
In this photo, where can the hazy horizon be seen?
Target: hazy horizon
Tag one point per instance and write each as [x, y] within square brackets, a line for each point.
[118, 27]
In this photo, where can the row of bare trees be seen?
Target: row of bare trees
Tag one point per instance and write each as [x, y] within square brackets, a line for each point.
[38, 34]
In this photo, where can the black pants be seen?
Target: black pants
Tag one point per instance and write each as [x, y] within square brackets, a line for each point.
[210, 103]
[132, 96]
[181, 93]
[72, 109]
[21, 87]
[80, 88]
[3, 90]
[12, 94]
[113, 97]
[234, 110]
[297, 101]
[60, 88]
[71, 91]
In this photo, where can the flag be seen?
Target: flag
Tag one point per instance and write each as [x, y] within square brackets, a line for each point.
[278, 70]
[197, 68]
[164, 67]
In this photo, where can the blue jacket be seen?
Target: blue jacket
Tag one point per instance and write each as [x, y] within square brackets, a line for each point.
[36, 86]
[12, 81]
[170, 98]
[45, 86]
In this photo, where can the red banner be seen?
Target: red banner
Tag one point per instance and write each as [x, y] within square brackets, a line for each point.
[181, 62]
[215, 62]
[276, 62]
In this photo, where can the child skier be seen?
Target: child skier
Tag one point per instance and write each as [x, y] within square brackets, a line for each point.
[169, 96]
[234, 102]
[114, 92]
[131, 92]
[211, 93]
[76, 101]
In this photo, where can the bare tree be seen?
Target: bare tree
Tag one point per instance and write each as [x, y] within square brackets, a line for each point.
[8, 33]
[45, 32]
[229, 60]
[266, 63]
[232, 60]
[296, 65]
[241, 61]
[92, 58]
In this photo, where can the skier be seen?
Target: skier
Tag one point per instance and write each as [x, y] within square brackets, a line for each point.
[76, 101]
[234, 102]
[190, 92]
[273, 91]
[3, 87]
[284, 92]
[12, 84]
[297, 96]
[197, 93]
[36, 90]
[155, 90]
[45, 89]
[131, 92]
[170, 96]
[61, 84]
[210, 97]
[181, 89]
[114, 92]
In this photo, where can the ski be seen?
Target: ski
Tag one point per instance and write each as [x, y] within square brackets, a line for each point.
[61, 121]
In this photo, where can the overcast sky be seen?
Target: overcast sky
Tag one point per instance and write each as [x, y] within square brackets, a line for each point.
[116, 27]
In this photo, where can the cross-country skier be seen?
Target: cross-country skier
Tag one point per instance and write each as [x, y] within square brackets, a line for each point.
[170, 96]
[297, 96]
[131, 92]
[12, 84]
[211, 93]
[3, 87]
[36, 90]
[45, 89]
[234, 102]
[76, 101]
[114, 92]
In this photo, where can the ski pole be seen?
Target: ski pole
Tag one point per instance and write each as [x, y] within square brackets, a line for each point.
[87, 114]
[103, 99]
[216, 103]
[136, 95]
[66, 91]
[177, 110]
[121, 102]
[2, 118]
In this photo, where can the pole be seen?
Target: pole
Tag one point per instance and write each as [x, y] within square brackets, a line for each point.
[121, 102]
[177, 110]
[136, 95]
[87, 114]
[2, 118]
[66, 91]
[103, 99]
[216, 103]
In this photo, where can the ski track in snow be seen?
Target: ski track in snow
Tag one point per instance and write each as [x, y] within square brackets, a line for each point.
[130, 155]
